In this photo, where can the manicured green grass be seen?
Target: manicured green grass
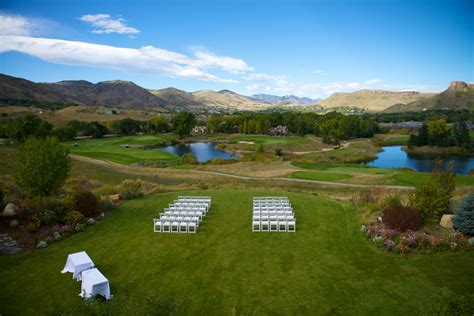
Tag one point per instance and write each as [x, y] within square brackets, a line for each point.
[344, 167]
[393, 141]
[111, 149]
[326, 267]
[320, 175]
[265, 139]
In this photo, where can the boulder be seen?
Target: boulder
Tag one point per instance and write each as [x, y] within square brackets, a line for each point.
[10, 210]
[42, 244]
[363, 229]
[90, 221]
[470, 241]
[446, 221]
[56, 235]
[114, 198]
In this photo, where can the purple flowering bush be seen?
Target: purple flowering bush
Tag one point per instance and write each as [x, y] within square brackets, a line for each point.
[414, 241]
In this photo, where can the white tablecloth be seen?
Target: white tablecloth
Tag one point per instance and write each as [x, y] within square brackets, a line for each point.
[76, 263]
[94, 283]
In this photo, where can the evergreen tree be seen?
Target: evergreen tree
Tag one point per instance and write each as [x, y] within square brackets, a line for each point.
[464, 218]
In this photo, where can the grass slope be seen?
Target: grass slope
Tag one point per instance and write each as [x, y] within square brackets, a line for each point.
[111, 149]
[326, 267]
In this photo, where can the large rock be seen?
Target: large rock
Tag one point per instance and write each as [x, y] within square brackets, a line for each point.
[446, 221]
[114, 198]
[90, 221]
[42, 244]
[10, 210]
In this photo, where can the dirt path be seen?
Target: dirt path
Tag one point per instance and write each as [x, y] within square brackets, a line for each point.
[147, 171]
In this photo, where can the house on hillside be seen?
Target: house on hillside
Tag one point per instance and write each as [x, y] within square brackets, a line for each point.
[199, 130]
[279, 131]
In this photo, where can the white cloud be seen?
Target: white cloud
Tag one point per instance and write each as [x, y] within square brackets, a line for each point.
[105, 24]
[147, 59]
[319, 72]
[15, 25]
[232, 65]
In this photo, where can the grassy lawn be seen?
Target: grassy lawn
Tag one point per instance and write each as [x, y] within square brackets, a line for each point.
[326, 267]
[391, 140]
[111, 149]
[393, 176]
[320, 175]
[258, 139]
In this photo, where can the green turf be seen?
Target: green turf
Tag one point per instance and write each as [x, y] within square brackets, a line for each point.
[326, 267]
[111, 149]
[265, 139]
[320, 175]
[393, 141]
[344, 167]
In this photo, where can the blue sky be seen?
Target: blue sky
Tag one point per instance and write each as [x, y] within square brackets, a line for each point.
[310, 48]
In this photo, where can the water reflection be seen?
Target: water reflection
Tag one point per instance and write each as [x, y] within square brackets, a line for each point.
[202, 151]
[395, 157]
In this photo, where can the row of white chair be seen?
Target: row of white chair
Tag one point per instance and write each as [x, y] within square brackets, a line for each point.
[198, 214]
[282, 211]
[175, 227]
[274, 226]
[183, 215]
[257, 217]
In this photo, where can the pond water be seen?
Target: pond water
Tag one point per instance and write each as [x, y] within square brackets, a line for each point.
[395, 157]
[202, 151]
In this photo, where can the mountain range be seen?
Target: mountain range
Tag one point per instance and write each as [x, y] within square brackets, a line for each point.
[128, 95]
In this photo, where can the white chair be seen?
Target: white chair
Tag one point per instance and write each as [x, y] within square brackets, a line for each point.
[282, 226]
[157, 225]
[192, 228]
[166, 228]
[256, 226]
[175, 227]
[183, 227]
[273, 226]
[291, 226]
[264, 226]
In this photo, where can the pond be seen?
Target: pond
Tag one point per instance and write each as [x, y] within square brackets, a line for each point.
[395, 157]
[202, 151]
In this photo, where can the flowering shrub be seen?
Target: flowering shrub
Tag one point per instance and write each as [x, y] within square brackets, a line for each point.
[411, 241]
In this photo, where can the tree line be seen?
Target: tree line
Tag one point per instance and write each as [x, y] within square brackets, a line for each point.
[332, 127]
[439, 133]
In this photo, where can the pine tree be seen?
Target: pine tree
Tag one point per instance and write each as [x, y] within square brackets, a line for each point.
[464, 217]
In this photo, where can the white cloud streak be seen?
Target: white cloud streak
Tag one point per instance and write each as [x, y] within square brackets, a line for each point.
[15, 25]
[105, 24]
[147, 59]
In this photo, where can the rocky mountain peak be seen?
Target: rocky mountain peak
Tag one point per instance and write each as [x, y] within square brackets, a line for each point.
[457, 86]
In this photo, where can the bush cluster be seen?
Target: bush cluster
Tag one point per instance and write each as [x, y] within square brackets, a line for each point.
[73, 218]
[189, 159]
[464, 218]
[402, 218]
[87, 203]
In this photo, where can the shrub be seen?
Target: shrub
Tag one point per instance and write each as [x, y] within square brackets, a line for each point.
[432, 196]
[402, 218]
[14, 223]
[74, 217]
[32, 227]
[278, 152]
[392, 201]
[37, 204]
[189, 159]
[464, 218]
[45, 217]
[106, 205]
[87, 203]
[130, 189]
[41, 166]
